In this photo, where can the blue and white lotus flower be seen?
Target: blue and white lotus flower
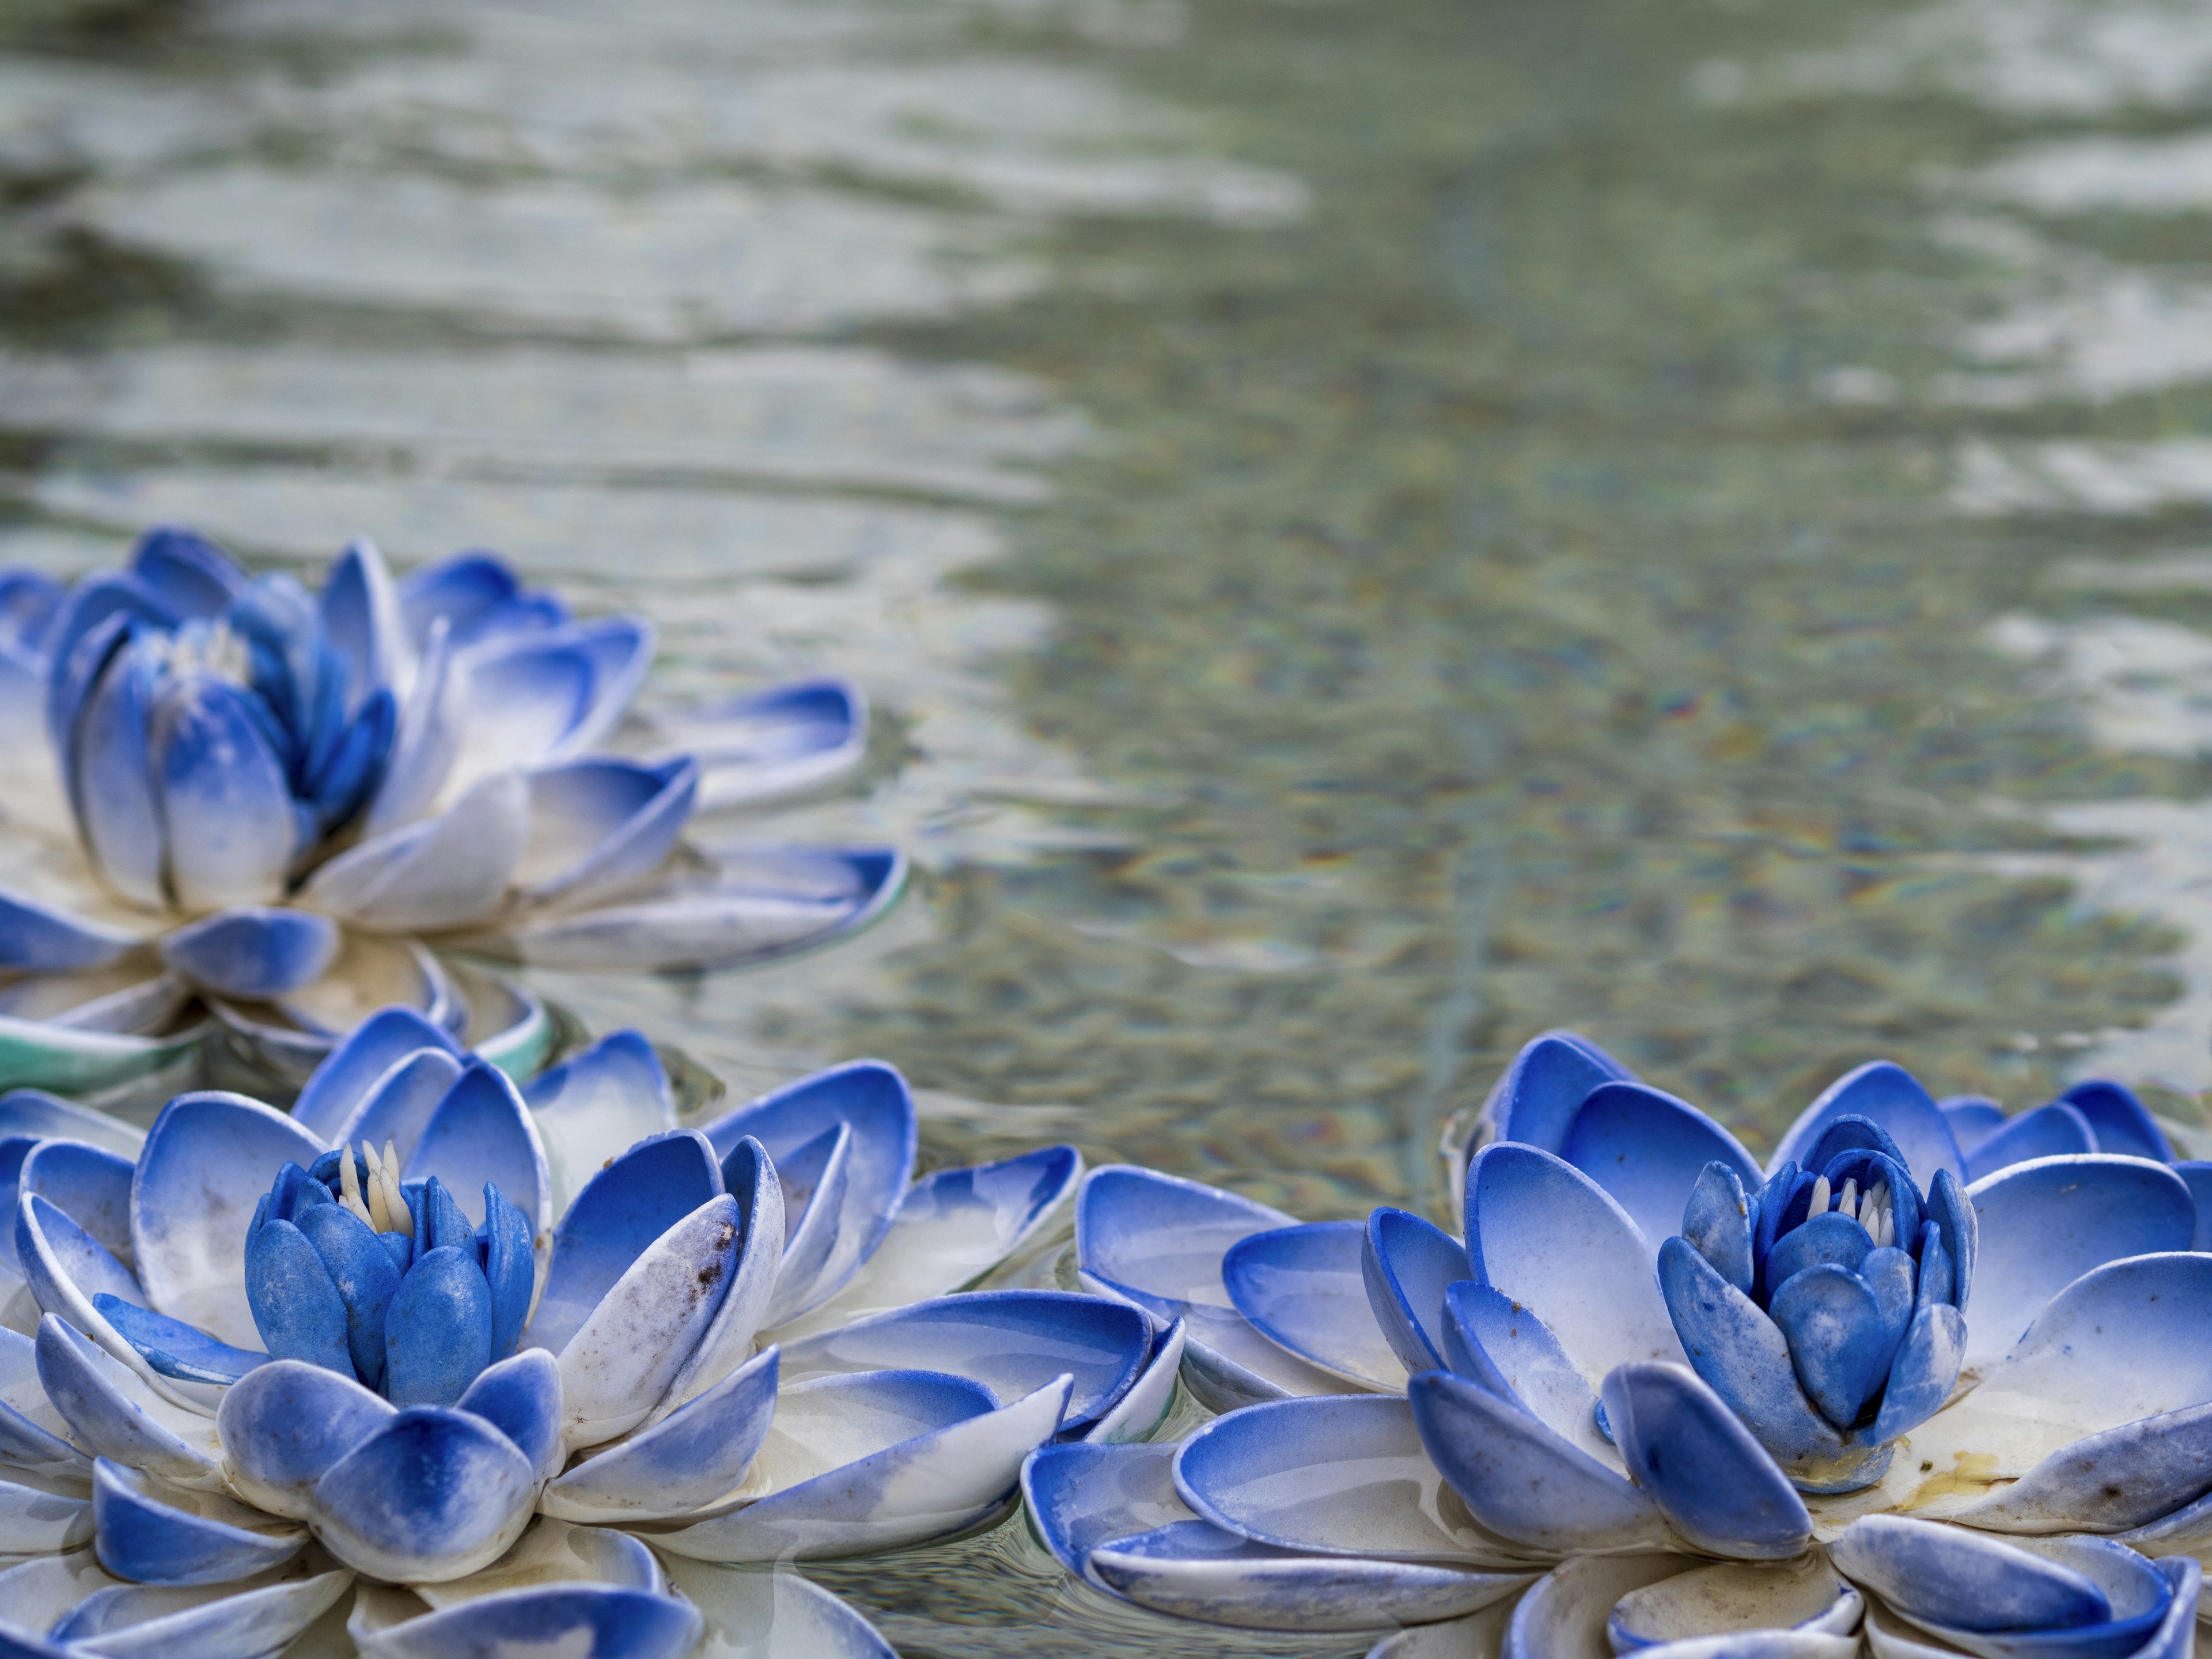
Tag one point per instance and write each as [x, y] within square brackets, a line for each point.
[514, 1366]
[227, 793]
[1609, 1363]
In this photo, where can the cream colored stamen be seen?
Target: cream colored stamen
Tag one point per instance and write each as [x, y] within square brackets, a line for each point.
[1819, 1205]
[1848, 1203]
[380, 1217]
[349, 1188]
[395, 1201]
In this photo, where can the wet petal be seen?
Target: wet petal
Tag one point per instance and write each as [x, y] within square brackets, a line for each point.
[155, 1533]
[226, 807]
[1549, 1080]
[1647, 1149]
[1743, 1357]
[208, 1160]
[1523, 1480]
[616, 1217]
[1546, 1235]
[432, 1495]
[1892, 1099]
[284, 1425]
[1082, 1495]
[1013, 1342]
[520, 1397]
[252, 951]
[623, 1357]
[2044, 1225]
[1406, 1264]
[596, 1105]
[687, 1461]
[598, 827]
[949, 1466]
[1719, 1487]
[113, 1414]
[1566, 1613]
[359, 1063]
[1342, 1475]
[434, 875]
[2052, 1131]
[1303, 1287]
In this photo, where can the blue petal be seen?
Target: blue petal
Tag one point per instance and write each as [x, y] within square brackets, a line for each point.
[1344, 1474]
[598, 826]
[2041, 1225]
[750, 1181]
[215, 1621]
[1647, 1149]
[1713, 1608]
[1834, 1328]
[1521, 1479]
[812, 1179]
[1548, 1236]
[226, 807]
[362, 1270]
[2121, 1123]
[285, 1425]
[2047, 1132]
[1537, 1098]
[1303, 1287]
[360, 616]
[797, 1610]
[1888, 1274]
[398, 1106]
[65, 1267]
[367, 1052]
[37, 1114]
[111, 781]
[435, 875]
[775, 742]
[144, 1534]
[1830, 1240]
[1871, 1170]
[1405, 1265]
[1974, 1118]
[1717, 1221]
[432, 1496]
[873, 1099]
[1504, 1348]
[465, 590]
[186, 571]
[425, 740]
[595, 1105]
[1962, 1578]
[622, 1209]
[1142, 1409]
[41, 938]
[30, 604]
[598, 1621]
[1959, 1223]
[1892, 1098]
[2197, 1176]
[1013, 1342]
[1567, 1612]
[521, 1398]
[1159, 1240]
[1743, 1357]
[296, 1307]
[1719, 1489]
[252, 951]
[482, 1132]
[438, 1330]
[1937, 1275]
[510, 1268]
[97, 616]
[90, 1183]
[1080, 1495]
[692, 1458]
[112, 1413]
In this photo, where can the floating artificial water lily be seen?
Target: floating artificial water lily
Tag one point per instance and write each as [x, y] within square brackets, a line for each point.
[1611, 1361]
[235, 796]
[423, 1332]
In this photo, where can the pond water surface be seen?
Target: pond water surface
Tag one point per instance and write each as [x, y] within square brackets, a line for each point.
[1370, 530]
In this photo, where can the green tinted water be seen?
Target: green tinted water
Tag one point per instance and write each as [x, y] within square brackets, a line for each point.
[1371, 530]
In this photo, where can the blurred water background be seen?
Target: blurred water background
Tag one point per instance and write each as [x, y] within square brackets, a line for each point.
[1370, 530]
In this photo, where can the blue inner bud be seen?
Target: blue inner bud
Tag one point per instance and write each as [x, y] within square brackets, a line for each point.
[414, 1309]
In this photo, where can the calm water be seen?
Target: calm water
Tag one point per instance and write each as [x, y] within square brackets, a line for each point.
[1371, 529]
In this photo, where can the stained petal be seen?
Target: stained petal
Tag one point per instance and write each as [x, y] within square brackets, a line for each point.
[114, 1415]
[1013, 1342]
[284, 1425]
[1647, 1149]
[596, 1105]
[2044, 1224]
[1892, 1098]
[359, 1063]
[686, 1461]
[2051, 1131]
[252, 951]
[155, 1533]
[208, 1160]
[1719, 1487]
[750, 1179]
[1303, 1287]
[1505, 1348]
[598, 827]
[877, 1461]
[1549, 1080]
[1405, 1265]
[1551, 1238]
[1523, 1480]
[431, 1496]
[616, 1217]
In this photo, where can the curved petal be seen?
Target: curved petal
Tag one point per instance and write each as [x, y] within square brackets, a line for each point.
[1304, 1288]
[132, 1622]
[438, 1330]
[2121, 1122]
[252, 951]
[2053, 1130]
[1717, 1224]
[95, 619]
[600, 826]
[507, 1025]
[1835, 1328]
[889, 1491]
[774, 1615]
[1717, 1485]
[952, 1228]
[1953, 1576]
[152, 1533]
[1551, 1238]
[34, 1435]
[1571, 1612]
[1739, 1600]
[623, 1357]
[1139, 1412]
[39, 1514]
[91, 1184]
[477, 596]
[481, 1132]
[686, 1461]
[520, 1396]
[1407, 1265]
[435, 874]
[360, 616]
[1924, 1372]
[432, 1495]
[208, 1161]
[426, 738]
[750, 1179]
[1893, 1100]
[66, 1269]
[174, 1349]
[1013, 1342]
[285, 1425]
[114, 1415]
[716, 908]
[772, 743]
[1082, 1495]
[226, 807]
[598, 1621]
[596, 1105]
[40, 1591]
[399, 1105]
[186, 571]
[2044, 1224]
[1647, 1149]
[617, 1218]
[1523, 1480]
[1505, 1348]
[1547, 1082]
[872, 1099]
[36, 937]
[1974, 1118]
[1342, 1475]
[359, 1063]
[44, 1116]
[543, 697]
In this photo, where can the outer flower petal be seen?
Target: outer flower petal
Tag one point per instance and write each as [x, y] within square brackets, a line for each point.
[432, 1495]
[2121, 1122]
[598, 826]
[1080, 1496]
[1958, 1577]
[1569, 1610]
[594, 1106]
[482, 1132]
[370, 1050]
[36, 937]
[1503, 1347]
[1304, 1288]
[603, 1621]
[155, 1533]
[1759, 1605]
[1719, 1487]
[617, 1216]
[252, 951]
[283, 1426]
[399, 1105]
[114, 1415]
[1541, 1091]
[1144, 1407]
[1647, 1149]
[40, 1514]
[520, 1396]
[186, 571]
[1893, 1099]
[750, 1179]
[360, 615]
[763, 1615]
[774, 742]
[34, 1435]
[2057, 1130]
[260, 1616]
[443, 873]
[90, 1183]
[686, 1461]
[1407, 1265]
